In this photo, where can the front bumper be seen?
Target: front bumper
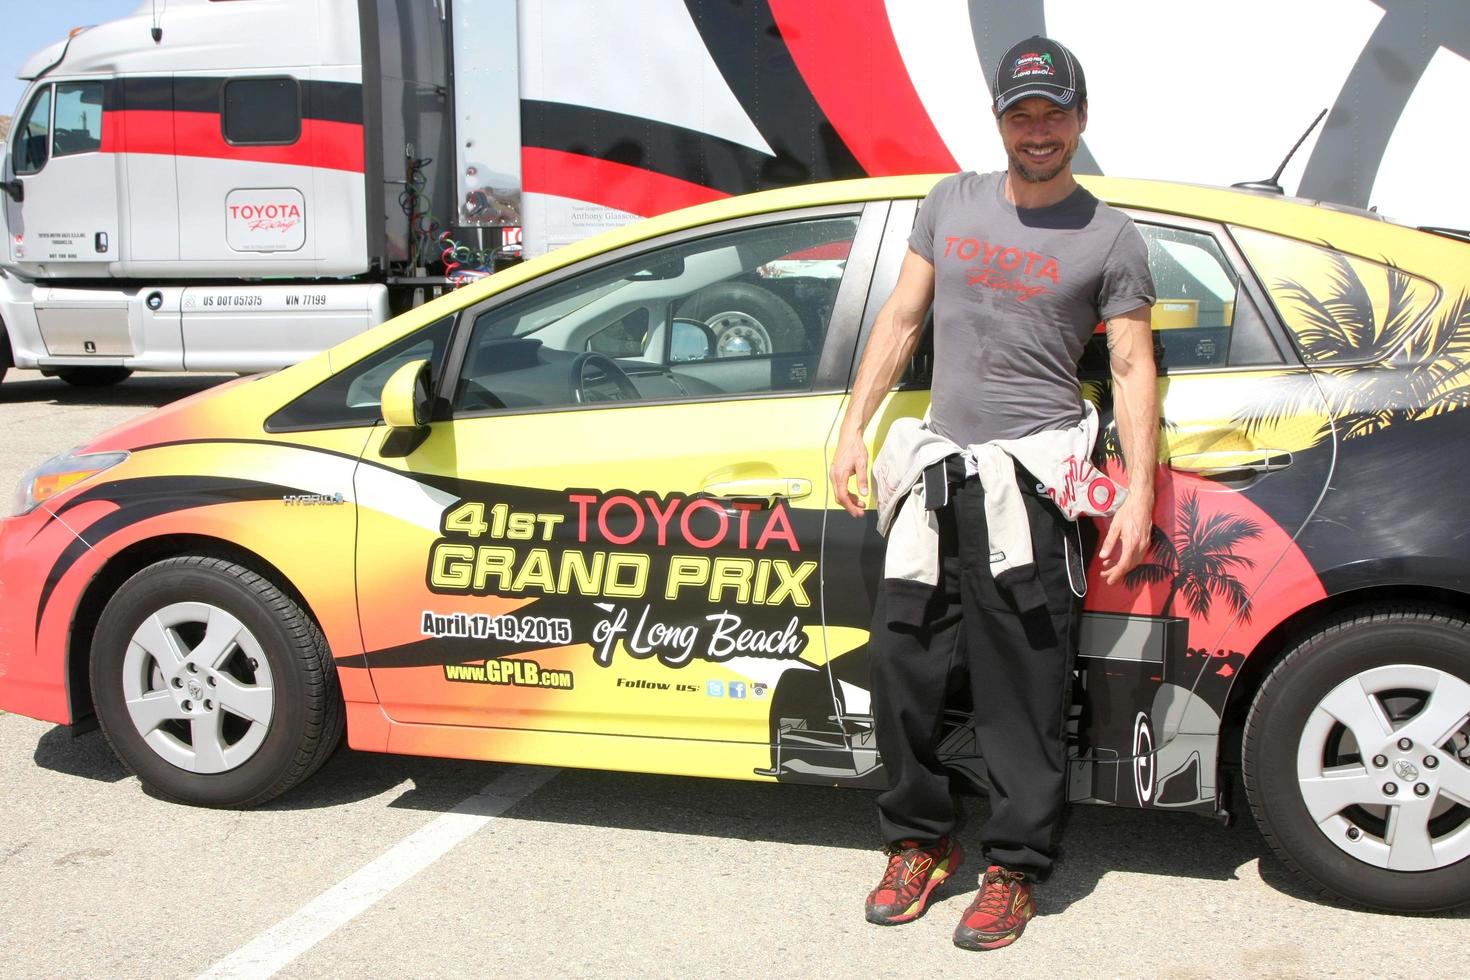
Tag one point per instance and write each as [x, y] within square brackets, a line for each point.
[33, 655]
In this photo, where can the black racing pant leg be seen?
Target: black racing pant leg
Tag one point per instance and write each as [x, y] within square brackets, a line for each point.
[1020, 666]
[911, 673]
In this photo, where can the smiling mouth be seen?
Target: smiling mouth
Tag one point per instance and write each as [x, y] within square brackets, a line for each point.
[1040, 153]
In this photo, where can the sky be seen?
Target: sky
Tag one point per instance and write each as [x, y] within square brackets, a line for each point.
[30, 25]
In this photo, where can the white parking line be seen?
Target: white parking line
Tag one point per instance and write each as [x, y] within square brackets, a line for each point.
[338, 905]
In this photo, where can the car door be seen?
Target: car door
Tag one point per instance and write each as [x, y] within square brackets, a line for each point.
[1240, 473]
[68, 215]
[1235, 482]
[614, 527]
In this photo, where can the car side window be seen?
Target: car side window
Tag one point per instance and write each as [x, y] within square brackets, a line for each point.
[32, 136]
[1203, 318]
[1196, 289]
[1338, 308]
[736, 313]
[351, 396]
[77, 127]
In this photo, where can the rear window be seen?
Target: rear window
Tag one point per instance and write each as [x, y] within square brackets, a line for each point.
[262, 110]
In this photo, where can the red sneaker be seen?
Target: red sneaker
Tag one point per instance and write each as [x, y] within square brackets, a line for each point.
[914, 871]
[999, 913]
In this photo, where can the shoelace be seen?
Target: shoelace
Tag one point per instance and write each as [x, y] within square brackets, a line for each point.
[894, 874]
[995, 891]
[898, 859]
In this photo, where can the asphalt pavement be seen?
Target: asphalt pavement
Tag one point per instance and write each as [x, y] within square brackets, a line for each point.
[394, 866]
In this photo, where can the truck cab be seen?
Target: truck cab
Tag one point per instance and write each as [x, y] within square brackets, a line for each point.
[212, 198]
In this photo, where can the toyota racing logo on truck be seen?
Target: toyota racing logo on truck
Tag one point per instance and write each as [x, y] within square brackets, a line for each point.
[280, 217]
[265, 219]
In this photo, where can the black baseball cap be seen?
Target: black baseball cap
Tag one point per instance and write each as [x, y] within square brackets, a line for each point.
[1038, 66]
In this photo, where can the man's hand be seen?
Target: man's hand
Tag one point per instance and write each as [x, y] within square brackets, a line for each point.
[850, 460]
[1127, 539]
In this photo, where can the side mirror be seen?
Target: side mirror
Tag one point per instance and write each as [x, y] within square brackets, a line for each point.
[15, 189]
[405, 399]
[692, 341]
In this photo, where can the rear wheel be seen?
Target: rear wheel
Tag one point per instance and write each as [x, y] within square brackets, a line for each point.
[94, 377]
[1357, 759]
[213, 685]
[7, 360]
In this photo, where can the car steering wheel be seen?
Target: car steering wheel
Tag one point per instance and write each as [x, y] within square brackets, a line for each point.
[590, 368]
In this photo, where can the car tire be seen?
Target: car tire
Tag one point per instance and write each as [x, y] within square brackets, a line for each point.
[213, 685]
[1384, 826]
[7, 359]
[94, 377]
[741, 310]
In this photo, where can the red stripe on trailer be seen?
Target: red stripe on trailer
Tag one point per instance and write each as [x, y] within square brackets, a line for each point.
[876, 111]
[614, 185]
[322, 143]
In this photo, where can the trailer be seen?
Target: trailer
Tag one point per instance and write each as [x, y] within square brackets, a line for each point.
[233, 185]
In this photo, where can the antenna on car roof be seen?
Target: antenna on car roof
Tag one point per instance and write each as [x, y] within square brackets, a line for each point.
[1272, 184]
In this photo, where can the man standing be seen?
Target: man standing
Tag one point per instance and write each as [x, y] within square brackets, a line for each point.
[1020, 266]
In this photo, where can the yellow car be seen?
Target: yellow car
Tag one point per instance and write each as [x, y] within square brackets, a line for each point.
[576, 514]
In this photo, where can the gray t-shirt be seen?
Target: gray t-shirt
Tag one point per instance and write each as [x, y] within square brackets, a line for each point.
[1017, 293]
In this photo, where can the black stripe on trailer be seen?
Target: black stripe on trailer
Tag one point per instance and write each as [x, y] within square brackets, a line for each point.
[674, 151]
[321, 100]
[746, 45]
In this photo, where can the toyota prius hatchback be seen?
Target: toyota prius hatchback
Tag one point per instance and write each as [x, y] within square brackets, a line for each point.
[576, 514]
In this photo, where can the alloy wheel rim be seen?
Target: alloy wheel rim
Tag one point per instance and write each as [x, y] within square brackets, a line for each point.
[198, 687]
[1383, 766]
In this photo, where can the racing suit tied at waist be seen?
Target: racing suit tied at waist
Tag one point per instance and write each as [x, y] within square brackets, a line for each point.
[917, 466]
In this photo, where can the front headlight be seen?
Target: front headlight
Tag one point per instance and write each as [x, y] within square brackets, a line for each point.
[58, 474]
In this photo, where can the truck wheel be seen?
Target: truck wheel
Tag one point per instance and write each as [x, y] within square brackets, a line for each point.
[1357, 759]
[7, 360]
[747, 320]
[213, 685]
[94, 377]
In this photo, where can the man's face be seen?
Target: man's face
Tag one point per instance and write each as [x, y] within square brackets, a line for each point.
[1041, 137]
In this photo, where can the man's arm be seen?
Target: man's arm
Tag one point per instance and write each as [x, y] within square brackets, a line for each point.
[1136, 411]
[895, 334]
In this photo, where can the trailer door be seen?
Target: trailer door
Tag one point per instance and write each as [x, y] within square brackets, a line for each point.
[68, 214]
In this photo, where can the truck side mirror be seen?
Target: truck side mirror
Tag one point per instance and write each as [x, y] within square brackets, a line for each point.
[15, 189]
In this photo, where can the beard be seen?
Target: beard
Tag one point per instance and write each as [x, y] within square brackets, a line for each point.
[1031, 174]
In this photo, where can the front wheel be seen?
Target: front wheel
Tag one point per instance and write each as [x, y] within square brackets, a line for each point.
[213, 685]
[1357, 759]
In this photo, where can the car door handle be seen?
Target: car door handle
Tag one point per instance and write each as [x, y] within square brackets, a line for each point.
[767, 487]
[1232, 464]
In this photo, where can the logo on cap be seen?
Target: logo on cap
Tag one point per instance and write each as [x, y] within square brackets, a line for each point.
[1032, 63]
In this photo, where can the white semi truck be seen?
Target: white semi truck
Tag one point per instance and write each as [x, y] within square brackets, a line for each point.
[231, 185]
[217, 188]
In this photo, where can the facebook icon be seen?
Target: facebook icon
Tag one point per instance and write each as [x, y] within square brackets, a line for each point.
[737, 689]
